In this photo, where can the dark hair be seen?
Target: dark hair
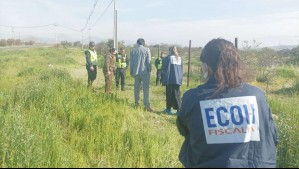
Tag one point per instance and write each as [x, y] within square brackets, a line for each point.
[92, 44]
[112, 50]
[173, 51]
[223, 59]
[141, 41]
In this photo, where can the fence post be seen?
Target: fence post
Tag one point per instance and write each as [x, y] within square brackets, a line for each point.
[189, 64]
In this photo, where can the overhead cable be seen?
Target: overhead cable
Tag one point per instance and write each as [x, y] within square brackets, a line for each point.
[102, 14]
[39, 26]
[89, 16]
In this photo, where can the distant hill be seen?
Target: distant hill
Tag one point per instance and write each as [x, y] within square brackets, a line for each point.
[60, 37]
[282, 47]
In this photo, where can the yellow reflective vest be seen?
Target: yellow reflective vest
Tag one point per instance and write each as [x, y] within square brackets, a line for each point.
[159, 65]
[121, 61]
[93, 57]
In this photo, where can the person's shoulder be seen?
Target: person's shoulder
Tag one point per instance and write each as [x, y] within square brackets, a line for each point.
[190, 92]
[107, 55]
[194, 92]
[167, 57]
[253, 88]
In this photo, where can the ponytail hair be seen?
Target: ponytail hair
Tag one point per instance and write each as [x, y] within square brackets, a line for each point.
[173, 51]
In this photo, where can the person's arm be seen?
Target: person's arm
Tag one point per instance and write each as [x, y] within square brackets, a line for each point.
[156, 63]
[127, 61]
[131, 63]
[183, 130]
[273, 129]
[181, 117]
[106, 65]
[148, 61]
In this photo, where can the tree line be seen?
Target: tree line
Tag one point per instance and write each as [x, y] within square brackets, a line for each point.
[15, 42]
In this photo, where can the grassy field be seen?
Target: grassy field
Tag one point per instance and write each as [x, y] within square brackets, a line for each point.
[48, 118]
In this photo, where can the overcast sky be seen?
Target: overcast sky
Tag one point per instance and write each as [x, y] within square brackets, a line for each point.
[270, 22]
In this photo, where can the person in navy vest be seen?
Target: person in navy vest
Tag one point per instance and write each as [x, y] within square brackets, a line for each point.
[172, 78]
[226, 122]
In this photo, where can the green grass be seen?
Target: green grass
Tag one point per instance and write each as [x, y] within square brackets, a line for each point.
[53, 120]
[48, 118]
[287, 124]
[286, 72]
[57, 122]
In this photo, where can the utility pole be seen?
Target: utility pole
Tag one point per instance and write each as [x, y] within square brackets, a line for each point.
[56, 44]
[89, 29]
[115, 44]
[82, 39]
[236, 43]
[13, 35]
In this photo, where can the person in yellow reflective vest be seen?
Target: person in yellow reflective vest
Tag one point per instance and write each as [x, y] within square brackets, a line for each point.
[91, 63]
[122, 63]
[158, 65]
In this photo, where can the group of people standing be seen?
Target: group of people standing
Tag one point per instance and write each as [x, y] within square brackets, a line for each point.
[169, 72]
[225, 121]
[115, 64]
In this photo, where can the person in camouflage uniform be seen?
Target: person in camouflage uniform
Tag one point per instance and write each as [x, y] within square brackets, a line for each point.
[109, 69]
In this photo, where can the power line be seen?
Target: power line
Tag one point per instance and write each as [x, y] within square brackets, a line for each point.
[29, 27]
[13, 27]
[89, 16]
[102, 14]
[69, 28]
[41, 26]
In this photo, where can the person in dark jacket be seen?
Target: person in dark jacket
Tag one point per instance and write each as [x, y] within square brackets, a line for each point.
[91, 63]
[172, 79]
[158, 65]
[226, 122]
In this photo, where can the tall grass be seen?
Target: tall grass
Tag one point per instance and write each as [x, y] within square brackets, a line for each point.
[287, 123]
[49, 119]
[54, 121]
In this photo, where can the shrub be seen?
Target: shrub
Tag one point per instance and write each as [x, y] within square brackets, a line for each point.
[286, 73]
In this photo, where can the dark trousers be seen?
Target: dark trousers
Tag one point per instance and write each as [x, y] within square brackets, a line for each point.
[159, 77]
[92, 75]
[120, 76]
[173, 97]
